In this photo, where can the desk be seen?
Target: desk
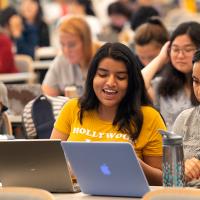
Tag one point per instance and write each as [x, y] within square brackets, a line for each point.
[45, 53]
[16, 77]
[41, 64]
[15, 118]
[81, 196]
[41, 67]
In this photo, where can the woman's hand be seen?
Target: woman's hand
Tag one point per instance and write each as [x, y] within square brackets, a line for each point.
[154, 66]
[192, 169]
[164, 53]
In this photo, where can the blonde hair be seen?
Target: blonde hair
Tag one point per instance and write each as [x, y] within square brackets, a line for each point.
[77, 25]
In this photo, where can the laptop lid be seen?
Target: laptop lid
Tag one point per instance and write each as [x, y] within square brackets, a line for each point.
[34, 163]
[106, 168]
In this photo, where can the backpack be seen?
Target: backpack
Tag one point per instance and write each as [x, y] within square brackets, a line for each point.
[40, 114]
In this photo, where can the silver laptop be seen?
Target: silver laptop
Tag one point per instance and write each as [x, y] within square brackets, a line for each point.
[106, 168]
[35, 163]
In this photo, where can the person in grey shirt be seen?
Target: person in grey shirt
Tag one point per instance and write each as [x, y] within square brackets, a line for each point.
[71, 66]
[62, 74]
[173, 93]
[187, 124]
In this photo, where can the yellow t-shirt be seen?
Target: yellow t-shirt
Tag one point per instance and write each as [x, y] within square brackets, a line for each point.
[149, 142]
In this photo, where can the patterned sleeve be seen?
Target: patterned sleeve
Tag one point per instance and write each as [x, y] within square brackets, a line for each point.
[179, 126]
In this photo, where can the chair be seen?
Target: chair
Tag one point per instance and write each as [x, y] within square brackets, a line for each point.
[7, 124]
[24, 193]
[20, 94]
[39, 115]
[24, 63]
[173, 193]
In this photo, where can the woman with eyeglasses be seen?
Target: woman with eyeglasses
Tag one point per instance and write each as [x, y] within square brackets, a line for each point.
[173, 92]
[71, 66]
[187, 124]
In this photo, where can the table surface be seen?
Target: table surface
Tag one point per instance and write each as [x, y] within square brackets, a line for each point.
[81, 196]
[14, 77]
[41, 64]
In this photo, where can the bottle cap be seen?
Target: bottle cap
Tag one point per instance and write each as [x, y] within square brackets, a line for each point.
[170, 138]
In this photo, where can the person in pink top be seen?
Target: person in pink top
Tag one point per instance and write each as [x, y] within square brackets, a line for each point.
[7, 63]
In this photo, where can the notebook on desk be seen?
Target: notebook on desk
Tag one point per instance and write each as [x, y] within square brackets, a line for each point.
[35, 163]
[106, 168]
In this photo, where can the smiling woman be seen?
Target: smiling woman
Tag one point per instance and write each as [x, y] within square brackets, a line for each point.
[110, 85]
[115, 108]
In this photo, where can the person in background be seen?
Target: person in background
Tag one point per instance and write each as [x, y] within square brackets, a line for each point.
[10, 25]
[115, 107]
[172, 93]
[131, 4]
[187, 124]
[5, 124]
[149, 39]
[63, 6]
[119, 15]
[7, 63]
[35, 33]
[71, 66]
[141, 16]
[85, 8]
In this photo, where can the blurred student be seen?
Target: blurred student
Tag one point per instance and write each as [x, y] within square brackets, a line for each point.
[187, 124]
[71, 66]
[10, 27]
[85, 9]
[7, 63]
[149, 39]
[118, 27]
[35, 32]
[115, 107]
[5, 125]
[141, 16]
[11, 22]
[172, 93]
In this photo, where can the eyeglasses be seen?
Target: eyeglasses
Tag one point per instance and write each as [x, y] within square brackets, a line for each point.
[185, 51]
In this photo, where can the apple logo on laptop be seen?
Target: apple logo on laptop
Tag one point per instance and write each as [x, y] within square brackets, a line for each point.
[105, 169]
